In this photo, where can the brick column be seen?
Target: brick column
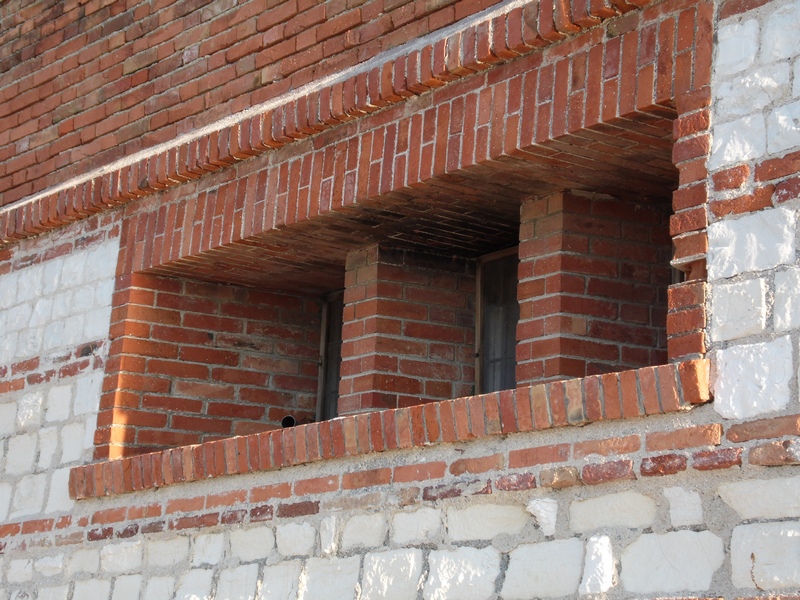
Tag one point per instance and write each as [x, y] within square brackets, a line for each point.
[593, 278]
[409, 328]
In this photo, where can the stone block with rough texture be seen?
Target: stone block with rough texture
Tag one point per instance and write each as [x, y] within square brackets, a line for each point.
[484, 521]
[738, 309]
[765, 555]
[421, 525]
[330, 578]
[548, 569]
[462, 574]
[392, 575]
[364, 531]
[763, 498]
[598, 569]
[623, 509]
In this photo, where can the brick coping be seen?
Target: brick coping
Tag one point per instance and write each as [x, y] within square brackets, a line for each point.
[633, 393]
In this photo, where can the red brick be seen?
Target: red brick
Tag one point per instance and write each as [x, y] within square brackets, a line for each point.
[764, 429]
[722, 458]
[477, 465]
[362, 479]
[419, 472]
[608, 446]
[538, 456]
[606, 472]
[665, 464]
[688, 437]
[775, 454]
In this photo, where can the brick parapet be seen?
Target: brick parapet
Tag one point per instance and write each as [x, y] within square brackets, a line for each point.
[648, 391]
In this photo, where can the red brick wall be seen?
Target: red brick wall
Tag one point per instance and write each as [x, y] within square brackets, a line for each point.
[409, 329]
[192, 361]
[85, 83]
[594, 273]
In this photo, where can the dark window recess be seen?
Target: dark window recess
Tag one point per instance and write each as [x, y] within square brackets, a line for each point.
[498, 314]
[331, 358]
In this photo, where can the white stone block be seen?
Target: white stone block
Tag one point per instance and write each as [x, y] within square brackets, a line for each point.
[737, 45]
[127, 587]
[685, 507]
[485, 521]
[680, 561]
[328, 540]
[5, 499]
[29, 284]
[89, 428]
[763, 498]
[392, 575]
[54, 334]
[330, 578]
[96, 324]
[787, 300]
[71, 443]
[60, 592]
[166, 553]
[58, 499]
[21, 454]
[753, 379]
[18, 316]
[8, 290]
[30, 342]
[296, 539]
[29, 495]
[796, 86]
[751, 92]
[94, 589]
[252, 544]
[29, 411]
[19, 570]
[84, 560]
[738, 309]
[87, 393]
[545, 511]
[73, 269]
[8, 417]
[160, 588]
[624, 509]
[281, 581]
[207, 549]
[462, 574]
[103, 292]
[421, 525]
[195, 585]
[364, 531]
[765, 555]
[51, 276]
[121, 558]
[780, 34]
[41, 314]
[49, 566]
[544, 570]
[101, 262]
[8, 349]
[783, 128]
[738, 141]
[48, 442]
[755, 242]
[598, 569]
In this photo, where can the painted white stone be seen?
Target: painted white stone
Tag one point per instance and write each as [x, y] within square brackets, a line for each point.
[127, 587]
[763, 498]
[160, 588]
[737, 47]
[207, 549]
[8, 347]
[296, 539]
[29, 411]
[58, 499]
[783, 128]
[421, 525]
[280, 581]
[89, 427]
[753, 379]
[96, 589]
[673, 562]
[87, 393]
[624, 509]
[50, 566]
[786, 310]
[392, 575]
[598, 569]
[738, 309]
[239, 583]
[8, 416]
[29, 495]
[195, 585]
[58, 402]
[330, 578]
[544, 570]
[327, 536]
[71, 442]
[60, 592]
[485, 521]
[365, 531]
[765, 555]
[780, 34]
[20, 570]
[796, 86]
[84, 560]
[462, 574]
[685, 506]
[738, 141]
[755, 242]
[122, 557]
[51, 276]
[48, 442]
[5, 499]
[21, 454]
[252, 544]
[166, 553]
[545, 511]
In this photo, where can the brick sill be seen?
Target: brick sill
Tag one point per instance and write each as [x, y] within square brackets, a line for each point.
[634, 393]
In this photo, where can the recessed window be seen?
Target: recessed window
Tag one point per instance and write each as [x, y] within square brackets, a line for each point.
[331, 356]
